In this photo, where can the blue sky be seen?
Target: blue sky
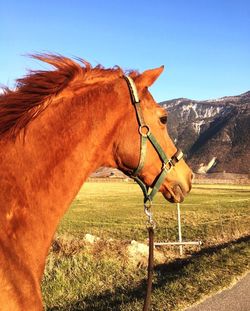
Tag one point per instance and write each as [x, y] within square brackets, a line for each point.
[204, 44]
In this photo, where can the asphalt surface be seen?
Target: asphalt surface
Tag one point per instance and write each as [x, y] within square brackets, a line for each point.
[237, 298]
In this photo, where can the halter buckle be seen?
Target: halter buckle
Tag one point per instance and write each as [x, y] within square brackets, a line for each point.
[179, 155]
[167, 165]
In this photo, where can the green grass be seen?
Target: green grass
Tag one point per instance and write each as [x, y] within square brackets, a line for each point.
[114, 210]
[102, 278]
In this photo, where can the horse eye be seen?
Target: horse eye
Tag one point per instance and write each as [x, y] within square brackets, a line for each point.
[164, 119]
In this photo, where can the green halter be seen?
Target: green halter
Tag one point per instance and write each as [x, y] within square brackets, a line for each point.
[145, 133]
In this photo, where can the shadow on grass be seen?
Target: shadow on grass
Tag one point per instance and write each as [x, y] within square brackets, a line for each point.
[165, 274]
[181, 263]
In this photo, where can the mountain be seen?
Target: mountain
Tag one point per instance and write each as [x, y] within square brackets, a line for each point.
[214, 134]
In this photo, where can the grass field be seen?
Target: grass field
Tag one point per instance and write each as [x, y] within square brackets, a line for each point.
[102, 278]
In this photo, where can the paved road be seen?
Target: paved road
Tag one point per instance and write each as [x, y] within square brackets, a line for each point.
[236, 298]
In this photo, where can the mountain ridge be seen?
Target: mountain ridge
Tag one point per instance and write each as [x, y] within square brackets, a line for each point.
[214, 133]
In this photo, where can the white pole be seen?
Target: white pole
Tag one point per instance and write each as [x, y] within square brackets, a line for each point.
[179, 228]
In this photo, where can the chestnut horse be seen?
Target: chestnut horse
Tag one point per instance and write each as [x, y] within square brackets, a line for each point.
[56, 128]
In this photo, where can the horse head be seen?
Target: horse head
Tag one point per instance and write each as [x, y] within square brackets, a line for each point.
[145, 151]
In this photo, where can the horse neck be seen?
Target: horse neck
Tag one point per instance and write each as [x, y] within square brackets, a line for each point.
[68, 141]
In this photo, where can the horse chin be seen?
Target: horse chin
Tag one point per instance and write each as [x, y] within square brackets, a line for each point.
[173, 194]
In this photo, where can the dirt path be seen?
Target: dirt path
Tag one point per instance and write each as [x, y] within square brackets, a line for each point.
[236, 298]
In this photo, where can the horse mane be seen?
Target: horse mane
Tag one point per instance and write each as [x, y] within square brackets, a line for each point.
[35, 91]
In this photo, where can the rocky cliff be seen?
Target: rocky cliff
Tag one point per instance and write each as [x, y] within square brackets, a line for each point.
[214, 134]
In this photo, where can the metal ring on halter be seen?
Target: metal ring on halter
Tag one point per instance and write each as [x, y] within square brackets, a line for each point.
[170, 163]
[148, 203]
[141, 127]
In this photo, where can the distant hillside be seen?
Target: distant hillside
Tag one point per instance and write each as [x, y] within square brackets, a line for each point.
[214, 134]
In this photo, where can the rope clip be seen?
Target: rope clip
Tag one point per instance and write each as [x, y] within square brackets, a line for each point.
[149, 214]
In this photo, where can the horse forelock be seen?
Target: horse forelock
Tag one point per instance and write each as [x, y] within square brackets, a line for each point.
[34, 92]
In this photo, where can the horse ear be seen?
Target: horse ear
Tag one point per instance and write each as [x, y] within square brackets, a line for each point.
[148, 77]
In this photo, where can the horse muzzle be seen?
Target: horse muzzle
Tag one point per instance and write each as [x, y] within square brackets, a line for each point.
[174, 193]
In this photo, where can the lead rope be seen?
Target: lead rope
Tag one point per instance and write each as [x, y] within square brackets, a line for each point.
[150, 227]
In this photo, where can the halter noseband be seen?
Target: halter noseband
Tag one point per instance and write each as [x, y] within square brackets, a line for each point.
[145, 133]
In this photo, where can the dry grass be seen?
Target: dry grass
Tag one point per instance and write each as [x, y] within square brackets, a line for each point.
[101, 277]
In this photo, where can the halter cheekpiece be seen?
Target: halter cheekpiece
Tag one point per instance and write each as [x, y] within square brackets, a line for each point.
[145, 134]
